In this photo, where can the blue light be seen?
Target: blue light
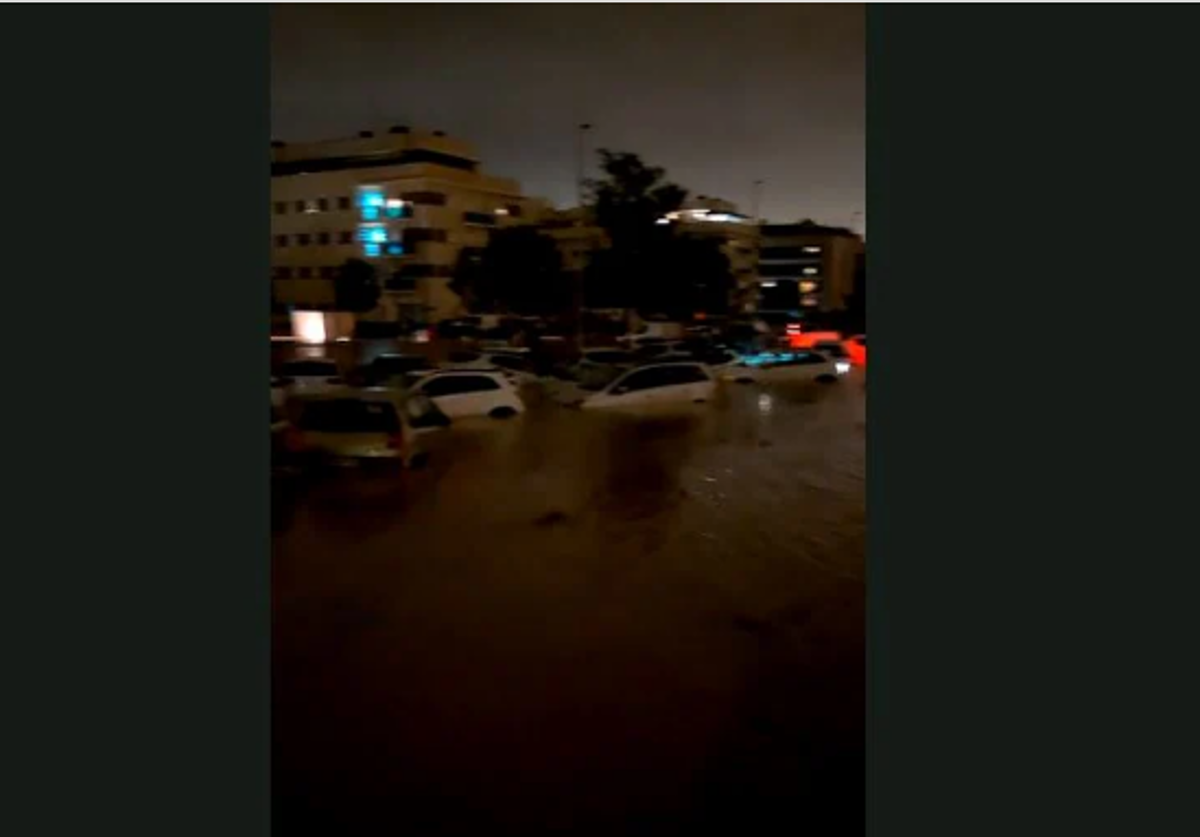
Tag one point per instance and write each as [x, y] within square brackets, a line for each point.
[395, 250]
[370, 213]
[370, 198]
[373, 233]
[371, 250]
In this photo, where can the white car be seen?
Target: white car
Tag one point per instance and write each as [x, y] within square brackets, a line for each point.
[801, 366]
[471, 392]
[835, 351]
[656, 384]
[310, 374]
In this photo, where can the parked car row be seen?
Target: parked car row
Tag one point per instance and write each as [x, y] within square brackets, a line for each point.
[398, 399]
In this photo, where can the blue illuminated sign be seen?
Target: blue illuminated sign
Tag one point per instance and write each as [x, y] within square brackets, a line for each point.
[371, 250]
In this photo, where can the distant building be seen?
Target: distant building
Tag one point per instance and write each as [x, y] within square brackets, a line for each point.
[738, 235]
[807, 266]
[406, 201]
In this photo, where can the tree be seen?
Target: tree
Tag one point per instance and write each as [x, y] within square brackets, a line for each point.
[519, 272]
[356, 287]
[649, 266]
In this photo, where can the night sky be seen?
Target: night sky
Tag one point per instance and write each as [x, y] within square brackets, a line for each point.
[719, 95]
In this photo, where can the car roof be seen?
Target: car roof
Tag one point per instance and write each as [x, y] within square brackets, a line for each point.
[348, 392]
[482, 370]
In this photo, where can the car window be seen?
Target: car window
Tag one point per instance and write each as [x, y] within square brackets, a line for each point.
[652, 378]
[349, 415]
[461, 356]
[806, 359]
[687, 373]
[458, 385]
[309, 369]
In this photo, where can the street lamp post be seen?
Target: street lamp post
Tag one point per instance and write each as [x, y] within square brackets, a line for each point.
[581, 220]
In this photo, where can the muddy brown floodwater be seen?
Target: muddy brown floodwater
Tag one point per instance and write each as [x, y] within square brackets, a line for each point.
[581, 623]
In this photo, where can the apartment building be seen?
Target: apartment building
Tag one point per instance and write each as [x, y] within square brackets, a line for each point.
[709, 217]
[807, 266]
[405, 201]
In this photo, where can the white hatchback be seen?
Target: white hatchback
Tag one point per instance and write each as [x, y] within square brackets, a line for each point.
[471, 392]
[656, 384]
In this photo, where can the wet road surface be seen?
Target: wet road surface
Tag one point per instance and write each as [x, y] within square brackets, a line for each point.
[581, 622]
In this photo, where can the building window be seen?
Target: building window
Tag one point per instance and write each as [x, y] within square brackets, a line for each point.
[425, 198]
[809, 271]
[809, 301]
[483, 219]
[323, 238]
[345, 237]
[299, 206]
[305, 272]
[811, 249]
[343, 202]
[281, 241]
[416, 235]
[283, 273]
[807, 287]
[280, 208]
[396, 208]
[327, 272]
[322, 205]
[303, 239]
[514, 210]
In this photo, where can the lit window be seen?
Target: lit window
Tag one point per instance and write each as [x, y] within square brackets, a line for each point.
[769, 284]
[808, 301]
[394, 249]
[807, 287]
[370, 213]
[500, 210]
[372, 233]
[812, 249]
[371, 250]
[396, 208]
[810, 271]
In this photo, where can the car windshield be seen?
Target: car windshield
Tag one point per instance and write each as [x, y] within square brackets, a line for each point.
[349, 415]
[309, 369]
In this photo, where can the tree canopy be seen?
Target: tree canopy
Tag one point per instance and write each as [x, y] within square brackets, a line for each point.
[356, 287]
[519, 272]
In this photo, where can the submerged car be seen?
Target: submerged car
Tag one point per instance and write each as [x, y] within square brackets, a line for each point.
[393, 369]
[471, 392]
[353, 426]
[784, 367]
[835, 351]
[655, 384]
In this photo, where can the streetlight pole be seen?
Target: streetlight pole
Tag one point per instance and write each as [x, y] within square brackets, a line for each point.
[581, 220]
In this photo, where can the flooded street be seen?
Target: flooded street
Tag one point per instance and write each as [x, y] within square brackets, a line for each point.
[581, 622]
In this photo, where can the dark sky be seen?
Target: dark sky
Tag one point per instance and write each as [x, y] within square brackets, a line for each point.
[719, 95]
